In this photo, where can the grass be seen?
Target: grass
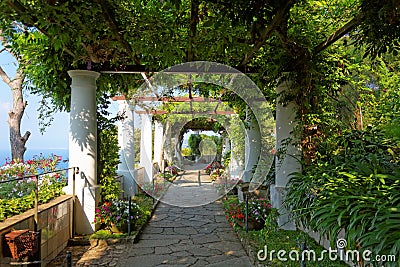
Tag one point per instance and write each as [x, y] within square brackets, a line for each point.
[107, 234]
[290, 242]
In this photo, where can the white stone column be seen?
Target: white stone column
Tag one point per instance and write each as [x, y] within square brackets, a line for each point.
[252, 148]
[83, 147]
[235, 166]
[126, 147]
[146, 146]
[158, 142]
[226, 145]
[290, 161]
[167, 146]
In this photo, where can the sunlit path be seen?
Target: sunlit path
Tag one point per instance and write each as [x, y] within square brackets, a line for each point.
[192, 188]
[186, 232]
[177, 236]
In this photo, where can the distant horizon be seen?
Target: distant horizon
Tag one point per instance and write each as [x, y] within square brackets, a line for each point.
[37, 148]
[30, 153]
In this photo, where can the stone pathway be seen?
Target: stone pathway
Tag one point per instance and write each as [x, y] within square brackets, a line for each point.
[186, 191]
[177, 236]
[184, 232]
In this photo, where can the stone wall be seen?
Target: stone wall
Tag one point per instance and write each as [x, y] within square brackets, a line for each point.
[54, 224]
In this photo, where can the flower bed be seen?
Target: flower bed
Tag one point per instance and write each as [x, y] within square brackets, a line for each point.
[215, 165]
[259, 212]
[172, 169]
[17, 195]
[255, 241]
[114, 215]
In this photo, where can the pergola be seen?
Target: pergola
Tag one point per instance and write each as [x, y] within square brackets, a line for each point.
[126, 106]
[109, 38]
[83, 141]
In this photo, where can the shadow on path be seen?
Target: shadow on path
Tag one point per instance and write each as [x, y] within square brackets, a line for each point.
[196, 236]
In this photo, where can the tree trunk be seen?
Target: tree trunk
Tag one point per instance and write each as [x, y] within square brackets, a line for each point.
[17, 141]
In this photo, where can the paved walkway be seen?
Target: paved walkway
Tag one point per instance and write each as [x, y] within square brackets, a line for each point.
[191, 189]
[195, 236]
[186, 233]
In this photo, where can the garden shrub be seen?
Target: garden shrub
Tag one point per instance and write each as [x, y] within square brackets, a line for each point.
[107, 150]
[117, 213]
[354, 186]
[259, 211]
[17, 196]
[107, 163]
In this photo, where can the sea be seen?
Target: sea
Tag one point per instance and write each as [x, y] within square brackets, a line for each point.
[31, 153]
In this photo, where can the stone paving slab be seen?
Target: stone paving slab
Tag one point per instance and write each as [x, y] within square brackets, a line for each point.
[192, 236]
[177, 235]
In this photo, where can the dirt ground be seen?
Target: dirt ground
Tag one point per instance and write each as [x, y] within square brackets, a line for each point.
[77, 250]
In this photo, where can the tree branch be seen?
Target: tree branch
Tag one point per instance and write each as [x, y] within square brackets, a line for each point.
[339, 33]
[20, 75]
[92, 55]
[277, 20]
[20, 9]
[110, 20]
[25, 137]
[5, 43]
[4, 76]
[194, 19]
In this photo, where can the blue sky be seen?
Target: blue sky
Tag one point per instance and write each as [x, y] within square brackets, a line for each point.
[55, 137]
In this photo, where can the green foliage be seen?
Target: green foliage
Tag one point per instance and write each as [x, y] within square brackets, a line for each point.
[382, 106]
[108, 152]
[108, 160]
[186, 151]
[17, 196]
[354, 186]
[379, 28]
[93, 35]
[275, 239]
[146, 207]
[194, 142]
[107, 234]
[288, 34]
[117, 213]
[226, 158]
[167, 176]
[217, 140]
[288, 241]
[142, 210]
[259, 211]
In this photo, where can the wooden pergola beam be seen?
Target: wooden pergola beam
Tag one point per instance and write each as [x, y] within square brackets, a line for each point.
[109, 17]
